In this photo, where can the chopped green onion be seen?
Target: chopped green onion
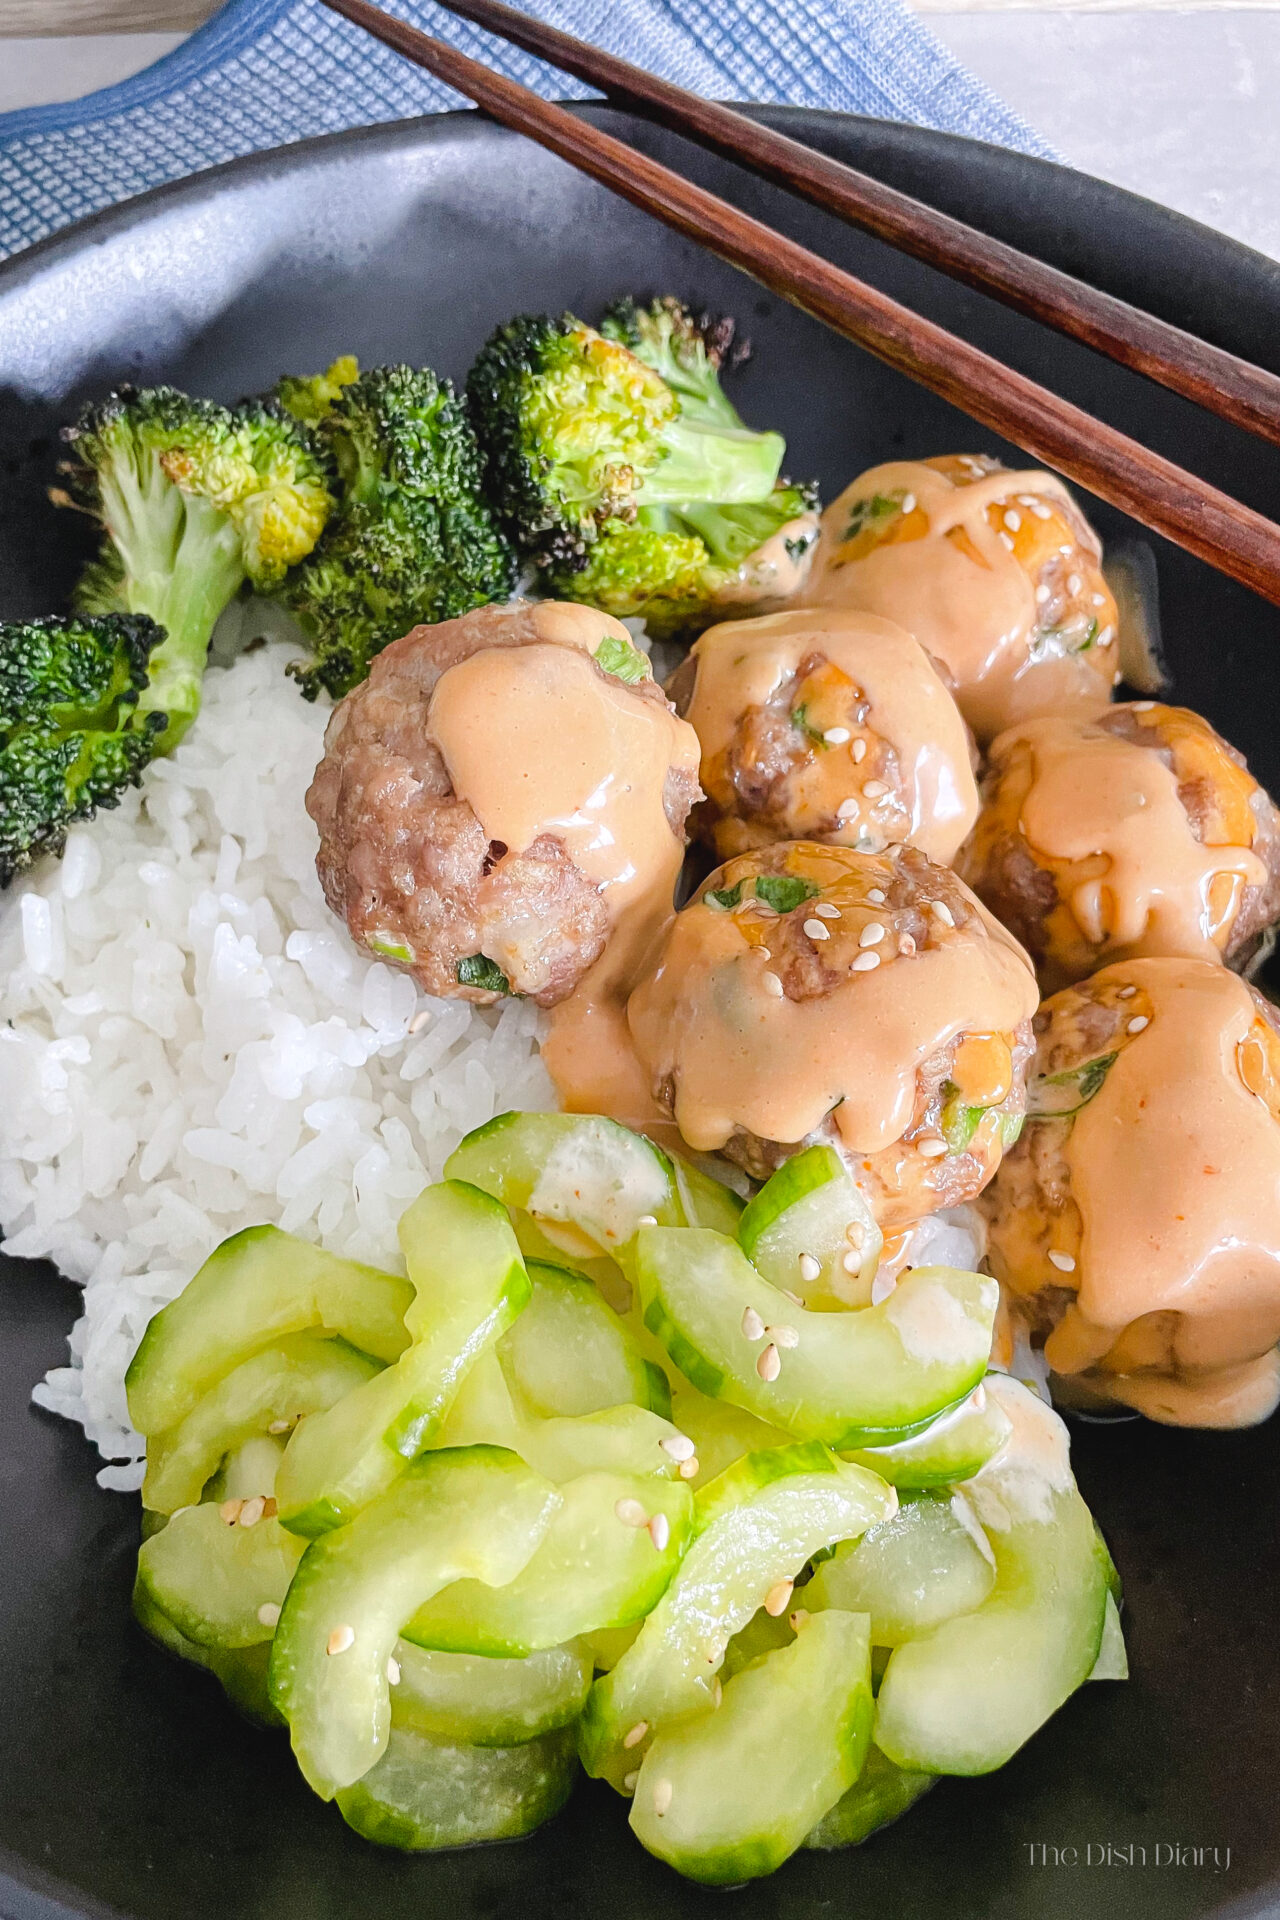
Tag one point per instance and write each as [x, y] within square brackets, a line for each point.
[478, 970]
[1055, 1095]
[801, 722]
[784, 891]
[621, 659]
[723, 899]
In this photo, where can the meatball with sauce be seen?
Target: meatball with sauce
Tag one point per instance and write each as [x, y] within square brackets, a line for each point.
[812, 993]
[500, 794]
[1137, 832]
[828, 725]
[997, 573]
[1136, 1223]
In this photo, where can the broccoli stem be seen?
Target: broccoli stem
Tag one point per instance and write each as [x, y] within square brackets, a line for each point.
[730, 465]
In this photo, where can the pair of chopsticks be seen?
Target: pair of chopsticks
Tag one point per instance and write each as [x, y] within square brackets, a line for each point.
[1163, 496]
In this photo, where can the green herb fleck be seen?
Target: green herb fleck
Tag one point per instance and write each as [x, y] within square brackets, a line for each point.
[784, 892]
[798, 545]
[871, 513]
[801, 722]
[959, 1122]
[723, 899]
[388, 948]
[1055, 1095]
[621, 659]
[478, 970]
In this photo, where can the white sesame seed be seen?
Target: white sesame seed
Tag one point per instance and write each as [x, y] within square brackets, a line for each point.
[1138, 1022]
[778, 1598]
[662, 1792]
[629, 1781]
[1062, 1261]
[752, 1324]
[882, 1286]
[634, 1735]
[816, 930]
[1107, 635]
[769, 1365]
[251, 1511]
[1127, 993]
[717, 1691]
[393, 1671]
[798, 1618]
[847, 808]
[865, 963]
[689, 1469]
[764, 953]
[1065, 548]
[906, 945]
[230, 1511]
[855, 1233]
[1005, 540]
[268, 1614]
[836, 736]
[1074, 583]
[908, 503]
[825, 910]
[772, 984]
[859, 751]
[794, 1298]
[1012, 519]
[1098, 599]
[340, 1640]
[941, 911]
[631, 1513]
[1042, 594]
[810, 1269]
[647, 1220]
[931, 1148]
[876, 895]
[678, 1445]
[1040, 510]
[852, 1263]
[783, 1336]
[280, 1426]
[420, 1020]
[872, 934]
[874, 789]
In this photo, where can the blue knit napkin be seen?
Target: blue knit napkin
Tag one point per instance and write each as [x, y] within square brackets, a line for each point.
[262, 73]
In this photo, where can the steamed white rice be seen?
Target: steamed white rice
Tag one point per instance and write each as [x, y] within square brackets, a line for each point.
[190, 1043]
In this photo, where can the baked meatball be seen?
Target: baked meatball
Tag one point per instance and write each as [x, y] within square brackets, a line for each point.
[1137, 832]
[997, 573]
[1136, 1223]
[825, 724]
[493, 800]
[814, 993]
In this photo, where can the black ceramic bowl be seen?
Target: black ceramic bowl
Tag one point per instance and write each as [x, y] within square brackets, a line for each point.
[127, 1787]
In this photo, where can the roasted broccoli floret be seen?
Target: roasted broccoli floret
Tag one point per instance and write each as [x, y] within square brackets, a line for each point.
[579, 433]
[687, 351]
[680, 568]
[193, 499]
[413, 542]
[309, 397]
[71, 734]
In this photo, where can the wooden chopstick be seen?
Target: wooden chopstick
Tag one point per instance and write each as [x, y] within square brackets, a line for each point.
[1163, 496]
[1221, 382]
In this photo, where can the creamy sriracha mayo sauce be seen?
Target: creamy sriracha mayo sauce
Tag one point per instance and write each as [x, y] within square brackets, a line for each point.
[910, 733]
[1173, 1172]
[967, 589]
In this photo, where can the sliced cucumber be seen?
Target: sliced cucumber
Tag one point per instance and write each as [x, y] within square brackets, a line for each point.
[763, 1633]
[617, 1440]
[731, 1794]
[611, 1283]
[593, 1570]
[252, 1468]
[757, 1525]
[704, 1200]
[911, 1572]
[963, 1698]
[880, 1794]
[950, 1448]
[1112, 1662]
[214, 1578]
[475, 1514]
[811, 1211]
[721, 1433]
[469, 1284]
[240, 1671]
[303, 1373]
[257, 1286]
[569, 1354]
[488, 1703]
[849, 1379]
[607, 1645]
[425, 1794]
[571, 1171]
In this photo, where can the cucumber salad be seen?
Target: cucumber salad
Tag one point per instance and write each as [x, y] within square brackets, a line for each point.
[592, 1488]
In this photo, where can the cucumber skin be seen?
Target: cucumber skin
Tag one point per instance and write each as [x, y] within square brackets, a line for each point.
[241, 1672]
[881, 1794]
[389, 1826]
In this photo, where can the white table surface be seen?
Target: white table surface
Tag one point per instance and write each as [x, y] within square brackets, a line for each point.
[1179, 105]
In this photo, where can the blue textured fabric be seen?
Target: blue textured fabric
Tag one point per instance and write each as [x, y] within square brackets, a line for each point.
[262, 73]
